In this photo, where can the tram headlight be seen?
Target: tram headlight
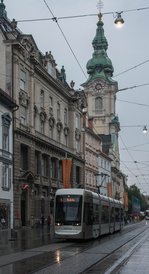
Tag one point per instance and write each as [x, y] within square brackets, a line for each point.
[58, 224]
[77, 224]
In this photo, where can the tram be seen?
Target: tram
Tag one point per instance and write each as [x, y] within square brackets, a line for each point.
[82, 214]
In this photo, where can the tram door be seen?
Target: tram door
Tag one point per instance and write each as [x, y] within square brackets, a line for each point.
[88, 217]
[23, 208]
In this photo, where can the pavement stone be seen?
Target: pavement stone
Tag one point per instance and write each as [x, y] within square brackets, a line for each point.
[138, 263]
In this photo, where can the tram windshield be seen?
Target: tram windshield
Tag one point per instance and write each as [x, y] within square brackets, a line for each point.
[68, 210]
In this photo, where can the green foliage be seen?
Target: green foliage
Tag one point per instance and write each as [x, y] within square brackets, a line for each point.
[135, 191]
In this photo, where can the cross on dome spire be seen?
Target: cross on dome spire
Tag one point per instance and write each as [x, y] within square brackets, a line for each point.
[99, 6]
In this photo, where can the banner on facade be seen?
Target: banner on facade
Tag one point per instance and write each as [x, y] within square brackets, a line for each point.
[109, 189]
[126, 200]
[135, 205]
[66, 167]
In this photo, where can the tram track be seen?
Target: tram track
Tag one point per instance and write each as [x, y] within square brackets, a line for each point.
[89, 255]
[101, 252]
[111, 263]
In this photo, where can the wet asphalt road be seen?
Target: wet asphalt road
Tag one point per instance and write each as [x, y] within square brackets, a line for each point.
[36, 251]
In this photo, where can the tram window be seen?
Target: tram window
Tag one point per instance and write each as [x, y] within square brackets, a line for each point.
[88, 213]
[68, 210]
[112, 215]
[96, 214]
[104, 214]
[117, 214]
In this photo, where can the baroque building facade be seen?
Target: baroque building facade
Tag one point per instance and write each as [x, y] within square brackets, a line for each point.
[7, 106]
[47, 124]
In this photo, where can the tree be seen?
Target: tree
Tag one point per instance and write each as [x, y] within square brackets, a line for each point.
[134, 191]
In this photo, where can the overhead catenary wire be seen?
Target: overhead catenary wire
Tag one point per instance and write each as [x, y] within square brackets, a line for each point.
[134, 103]
[55, 19]
[134, 161]
[136, 86]
[75, 16]
[66, 39]
[127, 70]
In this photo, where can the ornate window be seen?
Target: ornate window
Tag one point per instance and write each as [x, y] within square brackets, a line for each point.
[24, 164]
[78, 121]
[5, 138]
[23, 115]
[65, 116]
[23, 81]
[37, 162]
[6, 177]
[98, 105]
[45, 165]
[58, 111]
[50, 105]
[42, 98]
[6, 120]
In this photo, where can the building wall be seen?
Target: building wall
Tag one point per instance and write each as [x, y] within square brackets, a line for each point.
[104, 169]
[3, 62]
[33, 133]
[92, 145]
[6, 181]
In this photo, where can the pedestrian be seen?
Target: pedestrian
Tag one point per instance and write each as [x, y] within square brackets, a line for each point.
[42, 221]
[48, 222]
[3, 222]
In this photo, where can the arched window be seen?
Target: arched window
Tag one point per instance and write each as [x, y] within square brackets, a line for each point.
[98, 105]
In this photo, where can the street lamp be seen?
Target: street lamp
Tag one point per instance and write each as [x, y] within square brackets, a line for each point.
[119, 21]
[145, 129]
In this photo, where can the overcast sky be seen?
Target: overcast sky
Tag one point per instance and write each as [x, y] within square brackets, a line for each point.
[128, 47]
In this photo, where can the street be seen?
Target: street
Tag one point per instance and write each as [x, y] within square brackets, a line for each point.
[38, 252]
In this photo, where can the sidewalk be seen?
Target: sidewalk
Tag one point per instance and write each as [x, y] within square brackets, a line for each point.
[135, 260]
[138, 262]
[26, 238]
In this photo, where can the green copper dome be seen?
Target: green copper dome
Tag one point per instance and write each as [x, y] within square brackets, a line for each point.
[100, 65]
[99, 61]
[100, 41]
[3, 13]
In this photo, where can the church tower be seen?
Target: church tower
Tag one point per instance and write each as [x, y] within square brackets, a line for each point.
[100, 90]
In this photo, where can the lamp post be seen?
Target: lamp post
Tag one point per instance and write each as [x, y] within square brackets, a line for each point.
[103, 178]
